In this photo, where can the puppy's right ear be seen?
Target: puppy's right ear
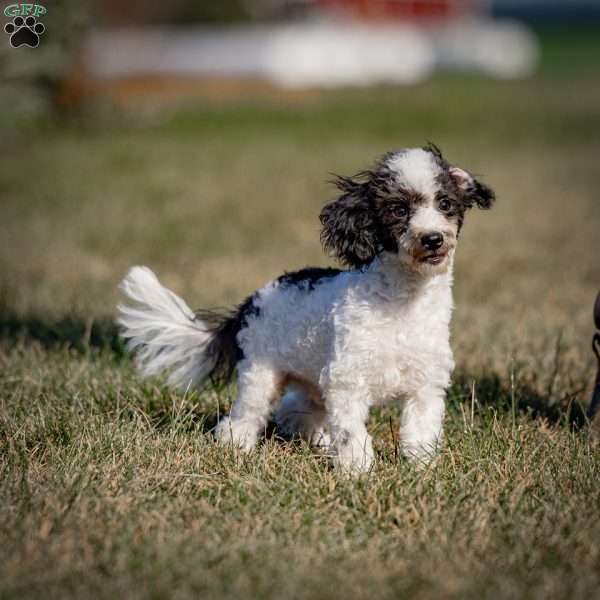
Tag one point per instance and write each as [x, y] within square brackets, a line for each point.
[349, 228]
[474, 192]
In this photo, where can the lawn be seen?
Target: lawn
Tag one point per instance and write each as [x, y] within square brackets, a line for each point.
[113, 487]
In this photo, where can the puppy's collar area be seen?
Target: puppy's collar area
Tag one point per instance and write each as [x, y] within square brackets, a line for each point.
[401, 280]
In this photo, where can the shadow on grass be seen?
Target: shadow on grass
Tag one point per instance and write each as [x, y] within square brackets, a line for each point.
[494, 391]
[70, 331]
[103, 334]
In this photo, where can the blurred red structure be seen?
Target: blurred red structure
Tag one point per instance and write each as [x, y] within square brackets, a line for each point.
[400, 9]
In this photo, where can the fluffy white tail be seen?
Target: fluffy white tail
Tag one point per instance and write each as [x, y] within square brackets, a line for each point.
[163, 331]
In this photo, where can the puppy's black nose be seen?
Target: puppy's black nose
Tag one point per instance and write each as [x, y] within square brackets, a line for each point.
[432, 241]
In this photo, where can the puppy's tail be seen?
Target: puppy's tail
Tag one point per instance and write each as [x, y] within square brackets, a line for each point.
[165, 333]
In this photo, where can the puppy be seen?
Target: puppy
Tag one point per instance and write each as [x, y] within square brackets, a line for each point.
[321, 346]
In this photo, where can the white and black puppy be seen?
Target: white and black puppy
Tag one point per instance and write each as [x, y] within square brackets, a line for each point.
[321, 346]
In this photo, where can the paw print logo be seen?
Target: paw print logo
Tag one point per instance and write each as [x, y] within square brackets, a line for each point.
[24, 32]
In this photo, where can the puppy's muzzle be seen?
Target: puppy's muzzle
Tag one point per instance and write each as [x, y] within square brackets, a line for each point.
[433, 247]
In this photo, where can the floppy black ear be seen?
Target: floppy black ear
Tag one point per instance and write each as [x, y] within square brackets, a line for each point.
[474, 192]
[349, 228]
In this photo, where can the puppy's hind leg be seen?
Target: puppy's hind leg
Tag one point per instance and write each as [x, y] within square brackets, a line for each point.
[258, 391]
[299, 415]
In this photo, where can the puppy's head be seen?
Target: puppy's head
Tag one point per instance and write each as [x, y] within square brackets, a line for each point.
[411, 205]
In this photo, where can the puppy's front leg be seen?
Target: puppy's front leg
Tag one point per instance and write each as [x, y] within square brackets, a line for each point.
[347, 413]
[421, 424]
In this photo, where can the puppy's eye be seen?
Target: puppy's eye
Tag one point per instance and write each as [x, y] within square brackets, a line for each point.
[399, 210]
[445, 205]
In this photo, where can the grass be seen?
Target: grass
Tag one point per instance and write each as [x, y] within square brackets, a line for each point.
[113, 487]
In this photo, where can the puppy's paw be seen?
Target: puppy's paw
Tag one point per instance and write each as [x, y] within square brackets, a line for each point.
[353, 453]
[238, 433]
[320, 439]
[420, 456]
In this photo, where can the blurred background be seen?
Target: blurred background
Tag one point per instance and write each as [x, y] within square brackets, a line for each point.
[198, 138]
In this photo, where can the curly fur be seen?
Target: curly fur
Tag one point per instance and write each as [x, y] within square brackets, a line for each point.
[333, 343]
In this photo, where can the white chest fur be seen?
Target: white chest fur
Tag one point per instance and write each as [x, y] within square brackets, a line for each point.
[391, 333]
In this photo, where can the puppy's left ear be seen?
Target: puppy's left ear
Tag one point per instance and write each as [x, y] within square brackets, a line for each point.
[348, 226]
[474, 191]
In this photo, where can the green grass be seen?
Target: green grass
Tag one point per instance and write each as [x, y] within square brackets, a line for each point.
[111, 486]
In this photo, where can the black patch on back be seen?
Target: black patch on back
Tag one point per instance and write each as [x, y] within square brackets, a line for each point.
[308, 277]
[224, 325]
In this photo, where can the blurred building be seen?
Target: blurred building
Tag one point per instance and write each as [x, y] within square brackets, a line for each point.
[304, 43]
[143, 50]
